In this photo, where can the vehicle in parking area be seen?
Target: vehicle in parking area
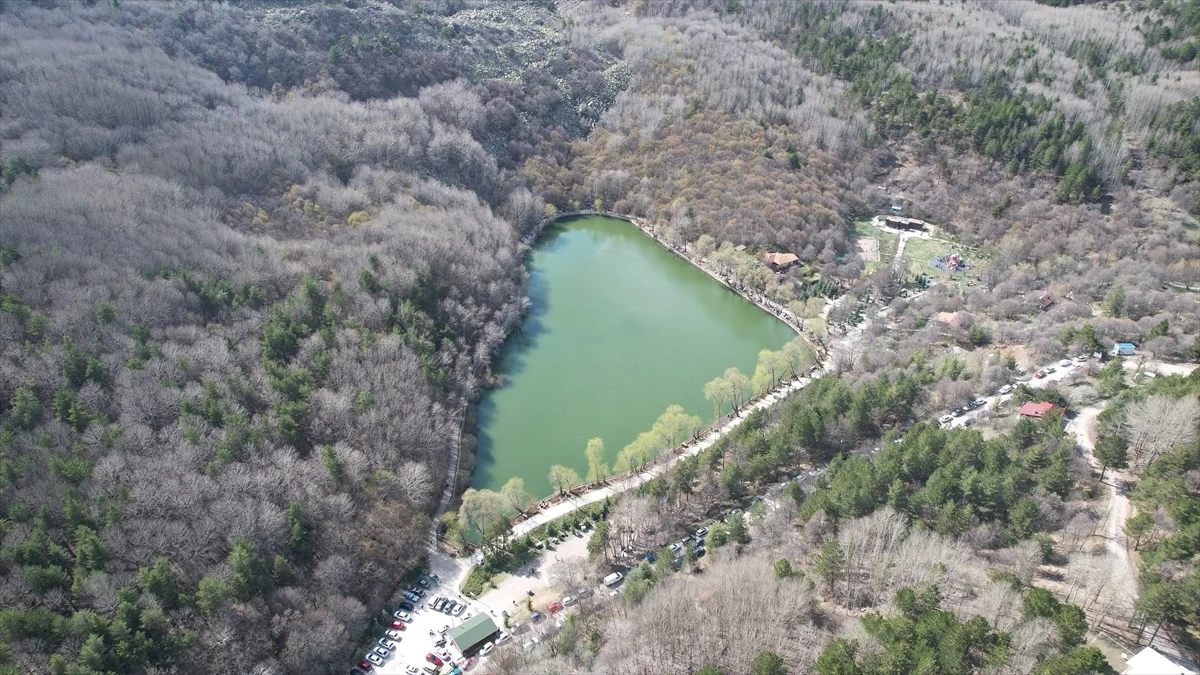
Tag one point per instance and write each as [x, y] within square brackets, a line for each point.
[441, 651]
[403, 616]
[1040, 374]
[568, 600]
[412, 597]
[945, 419]
[979, 403]
[365, 666]
[1051, 369]
[959, 412]
[487, 649]
[1005, 389]
[397, 624]
[503, 637]
[554, 607]
[386, 643]
[1065, 363]
[438, 603]
[433, 659]
[651, 556]
[699, 551]
[700, 532]
[459, 609]
[417, 592]
[357, 671]
[412, 670]
[614, 578]
[381, 653]
[374, 658]
[1082, 358]
[392, 633]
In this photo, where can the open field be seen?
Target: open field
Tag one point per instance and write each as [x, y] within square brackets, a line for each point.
[885, 247]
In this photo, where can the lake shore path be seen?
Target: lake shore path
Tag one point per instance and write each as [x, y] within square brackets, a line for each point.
[570, 502]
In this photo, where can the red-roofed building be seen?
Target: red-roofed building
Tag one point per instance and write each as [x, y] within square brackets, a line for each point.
[1037, 410]
[780, 261]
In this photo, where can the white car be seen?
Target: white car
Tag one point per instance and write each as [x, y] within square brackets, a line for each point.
[1082, 358]
[393, 634]
[1065, 363]
[412, 670]
[487, 649]
[503, 637]
[459, 609]
[374, 658]
[568, 601]
[386, 643]
[442, 652]
[1006, 389]
[403, 616]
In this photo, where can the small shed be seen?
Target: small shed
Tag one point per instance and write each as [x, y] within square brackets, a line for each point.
[1124, 349]
[472, 633]
[1037, 410]
[1150, 662]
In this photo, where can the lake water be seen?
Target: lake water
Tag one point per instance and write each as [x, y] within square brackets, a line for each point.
[619, 329]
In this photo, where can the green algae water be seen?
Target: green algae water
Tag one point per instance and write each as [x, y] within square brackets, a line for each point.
[619, 329]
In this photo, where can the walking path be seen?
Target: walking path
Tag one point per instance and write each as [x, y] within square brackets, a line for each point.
[576, 502]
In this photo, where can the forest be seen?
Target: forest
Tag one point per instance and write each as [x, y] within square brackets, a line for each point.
[256, 259]
[254, 262]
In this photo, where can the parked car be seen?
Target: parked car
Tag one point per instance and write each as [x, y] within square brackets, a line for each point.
[412, 670]
[699, 551]
[440, 643]
[392, 633]
[397, 624]
[1005, 389]
[438, 603]
[535, 616]
[614, 578]
[700, 532]
[676, 548]
[386, 643]
[365, 666]
[945, 419]
[503, 637]
[487, 649]
[568, 600]
[1065, 363]
[417, 592]
[382, 653]
[651, 556]
[403, 616]
[412, 597]
[554, 607]
[1040, 374]
[441, 651]
[979, 403]
[459, 609]
[408, 606]
[959, 412]
[433, 659]
[1082, 358]
[1051, 369]
[373, 658]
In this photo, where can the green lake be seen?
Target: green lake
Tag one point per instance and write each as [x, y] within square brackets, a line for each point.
[619, 329]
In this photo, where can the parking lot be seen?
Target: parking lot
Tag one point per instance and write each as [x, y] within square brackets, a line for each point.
[1051, 374]
[426, 628]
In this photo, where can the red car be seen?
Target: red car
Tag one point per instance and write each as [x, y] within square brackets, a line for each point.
[554, 606]
[1040, 374]
[433, 659]
[365, 666]
[397, 624]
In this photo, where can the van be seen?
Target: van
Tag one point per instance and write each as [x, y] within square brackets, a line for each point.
[613, 579]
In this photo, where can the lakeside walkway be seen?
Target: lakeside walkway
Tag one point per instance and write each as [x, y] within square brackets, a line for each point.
[578, 501]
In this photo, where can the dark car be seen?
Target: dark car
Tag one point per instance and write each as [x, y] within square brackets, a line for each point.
[408, 606]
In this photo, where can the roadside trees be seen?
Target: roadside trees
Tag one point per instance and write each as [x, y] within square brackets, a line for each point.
[1112, 451]
[563, 478]
[597, 469]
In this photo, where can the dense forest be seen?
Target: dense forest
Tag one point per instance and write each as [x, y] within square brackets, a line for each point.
[254, 261]
[256, 258]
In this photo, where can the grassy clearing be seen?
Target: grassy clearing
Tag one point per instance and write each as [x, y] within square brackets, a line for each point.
[888, 243]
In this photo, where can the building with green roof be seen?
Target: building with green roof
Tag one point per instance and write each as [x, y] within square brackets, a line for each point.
[472, 633]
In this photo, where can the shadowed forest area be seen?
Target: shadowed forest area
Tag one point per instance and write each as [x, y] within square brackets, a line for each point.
[256, 258]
